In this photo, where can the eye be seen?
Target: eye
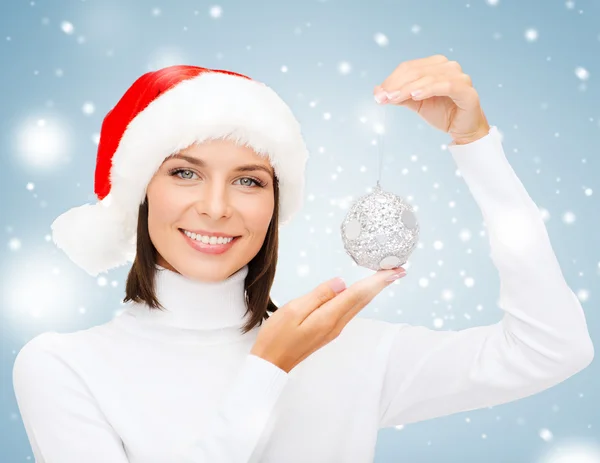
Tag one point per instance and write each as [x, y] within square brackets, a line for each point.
[182, 171]
[256, 181]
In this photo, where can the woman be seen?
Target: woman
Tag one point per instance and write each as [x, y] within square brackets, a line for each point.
[195, 369]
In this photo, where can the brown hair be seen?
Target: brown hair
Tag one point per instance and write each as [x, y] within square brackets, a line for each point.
[257, 285]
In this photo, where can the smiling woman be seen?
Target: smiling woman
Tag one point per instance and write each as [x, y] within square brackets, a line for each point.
[183, 375]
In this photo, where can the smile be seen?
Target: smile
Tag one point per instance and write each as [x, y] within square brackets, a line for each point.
[208, 239]
[208, 245]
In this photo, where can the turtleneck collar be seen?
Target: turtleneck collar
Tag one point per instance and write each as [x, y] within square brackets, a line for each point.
[193, 310]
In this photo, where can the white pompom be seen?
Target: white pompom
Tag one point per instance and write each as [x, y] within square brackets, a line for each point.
[95, 237]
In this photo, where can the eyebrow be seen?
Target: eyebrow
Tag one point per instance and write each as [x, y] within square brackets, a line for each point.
[201, 163]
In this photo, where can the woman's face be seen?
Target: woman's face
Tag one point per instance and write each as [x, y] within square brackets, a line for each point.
[207, 191]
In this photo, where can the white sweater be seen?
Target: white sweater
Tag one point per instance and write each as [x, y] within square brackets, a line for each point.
[181, 386]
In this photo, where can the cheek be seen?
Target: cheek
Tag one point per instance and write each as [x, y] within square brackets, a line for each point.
[164, 207]
[257, 214]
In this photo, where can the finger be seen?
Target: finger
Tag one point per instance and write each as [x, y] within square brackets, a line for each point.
[458, 89]
[353, 312]
[407, 102]
[410, 67]
[404, 93]
[354, 298]
[304, 305]
[405, 72]
[396, 89]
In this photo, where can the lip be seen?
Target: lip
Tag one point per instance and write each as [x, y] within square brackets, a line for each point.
[209, 248]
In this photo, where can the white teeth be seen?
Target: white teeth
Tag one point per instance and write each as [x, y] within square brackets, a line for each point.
[208, 239]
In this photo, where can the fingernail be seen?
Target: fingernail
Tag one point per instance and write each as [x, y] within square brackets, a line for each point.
[416, 93]
[338, 285]
[395, 276]
[394, 95]
[381, 97]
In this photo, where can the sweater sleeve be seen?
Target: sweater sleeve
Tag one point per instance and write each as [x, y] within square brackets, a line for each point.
[65, 425]
[542, 338]
[61, 417]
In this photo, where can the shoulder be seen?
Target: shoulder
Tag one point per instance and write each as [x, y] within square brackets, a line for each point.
[40, 353]
[41, 343]
[36, 366]
[52, 352]
[53, 342]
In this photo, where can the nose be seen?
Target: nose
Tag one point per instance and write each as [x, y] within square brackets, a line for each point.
[214, 200]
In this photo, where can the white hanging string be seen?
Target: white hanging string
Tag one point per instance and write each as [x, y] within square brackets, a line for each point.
[381, 139]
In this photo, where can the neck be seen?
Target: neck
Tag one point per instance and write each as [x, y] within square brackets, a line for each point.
[195, 305]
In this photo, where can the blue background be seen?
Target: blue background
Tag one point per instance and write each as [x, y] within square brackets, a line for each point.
[530, 85]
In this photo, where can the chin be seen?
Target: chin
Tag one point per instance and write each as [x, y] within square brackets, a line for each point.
[203, 270]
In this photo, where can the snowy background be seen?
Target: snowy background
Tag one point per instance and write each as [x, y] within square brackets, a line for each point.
[535, 64]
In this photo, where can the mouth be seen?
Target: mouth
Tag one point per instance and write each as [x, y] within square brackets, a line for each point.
[208, 248]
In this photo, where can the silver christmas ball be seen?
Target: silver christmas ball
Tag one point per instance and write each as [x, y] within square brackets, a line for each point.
[380, 230]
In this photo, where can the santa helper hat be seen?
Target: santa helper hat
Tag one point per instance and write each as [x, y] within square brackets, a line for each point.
[163, 112]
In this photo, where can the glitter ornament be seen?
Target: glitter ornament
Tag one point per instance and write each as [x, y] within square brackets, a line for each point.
[380, 231]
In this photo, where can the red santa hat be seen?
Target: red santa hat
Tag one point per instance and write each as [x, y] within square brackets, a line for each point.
[163, 112]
